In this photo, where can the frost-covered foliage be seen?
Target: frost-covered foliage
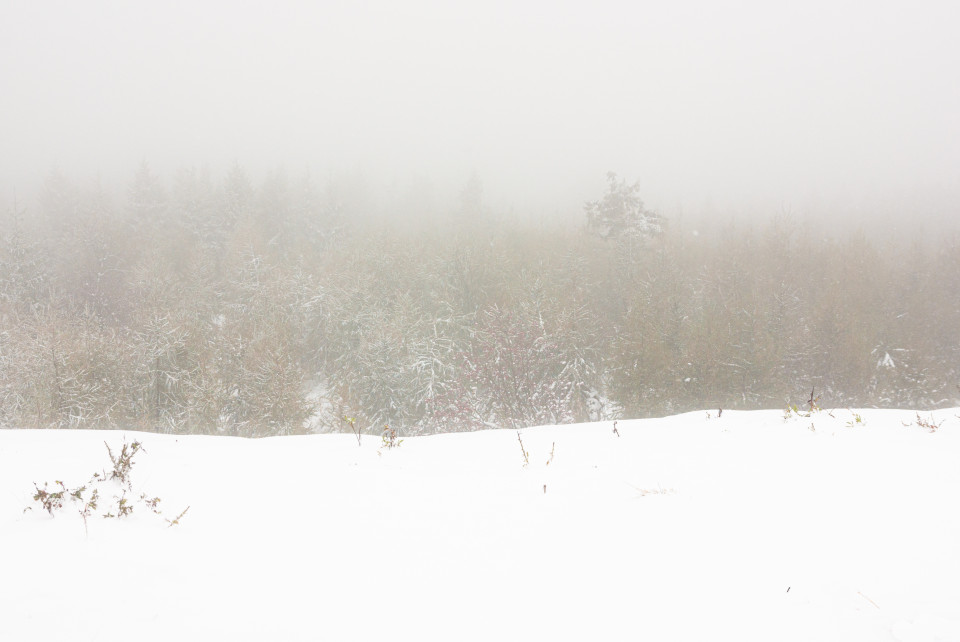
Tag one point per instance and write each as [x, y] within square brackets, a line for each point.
[621, 213]
[523, 370]
[225, 307]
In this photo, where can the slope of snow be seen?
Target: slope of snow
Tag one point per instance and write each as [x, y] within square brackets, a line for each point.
[743, 527]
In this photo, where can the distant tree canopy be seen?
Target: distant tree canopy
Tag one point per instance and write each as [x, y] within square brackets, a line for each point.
[621, 213]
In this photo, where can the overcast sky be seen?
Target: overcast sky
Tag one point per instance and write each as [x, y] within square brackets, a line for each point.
[728, 104]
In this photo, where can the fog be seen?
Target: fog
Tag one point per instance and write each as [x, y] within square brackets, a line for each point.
[252, 219]
[821, 108]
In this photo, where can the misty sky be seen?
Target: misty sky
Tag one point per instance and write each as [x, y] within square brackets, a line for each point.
[734, 104]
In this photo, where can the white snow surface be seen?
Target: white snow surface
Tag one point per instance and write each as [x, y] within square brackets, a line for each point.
[693, 527]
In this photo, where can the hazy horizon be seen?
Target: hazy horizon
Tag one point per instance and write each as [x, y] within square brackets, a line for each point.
[820, 109]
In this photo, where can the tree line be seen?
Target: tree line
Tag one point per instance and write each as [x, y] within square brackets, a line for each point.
[229, 307]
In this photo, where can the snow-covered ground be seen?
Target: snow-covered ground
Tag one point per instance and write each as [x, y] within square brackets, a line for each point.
[694, 527]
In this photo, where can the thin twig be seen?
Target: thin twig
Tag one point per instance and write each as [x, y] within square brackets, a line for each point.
[868, 600]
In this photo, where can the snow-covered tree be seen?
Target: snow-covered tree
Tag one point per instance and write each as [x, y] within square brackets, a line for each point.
[621, 213]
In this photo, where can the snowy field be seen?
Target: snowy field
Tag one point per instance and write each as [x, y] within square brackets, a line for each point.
[694, 527]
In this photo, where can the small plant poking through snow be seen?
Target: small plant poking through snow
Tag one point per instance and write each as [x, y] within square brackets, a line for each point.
[813, 406]
[791, 412]
[526, 455]
[930, 423]
[89, 508]
[124, 508]
[856, 421]
[153, 503]
[176, 520]
[352, 422]
[655, 491]
[123, 463]
[390, 438]
[53, 499]
[659, 490]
